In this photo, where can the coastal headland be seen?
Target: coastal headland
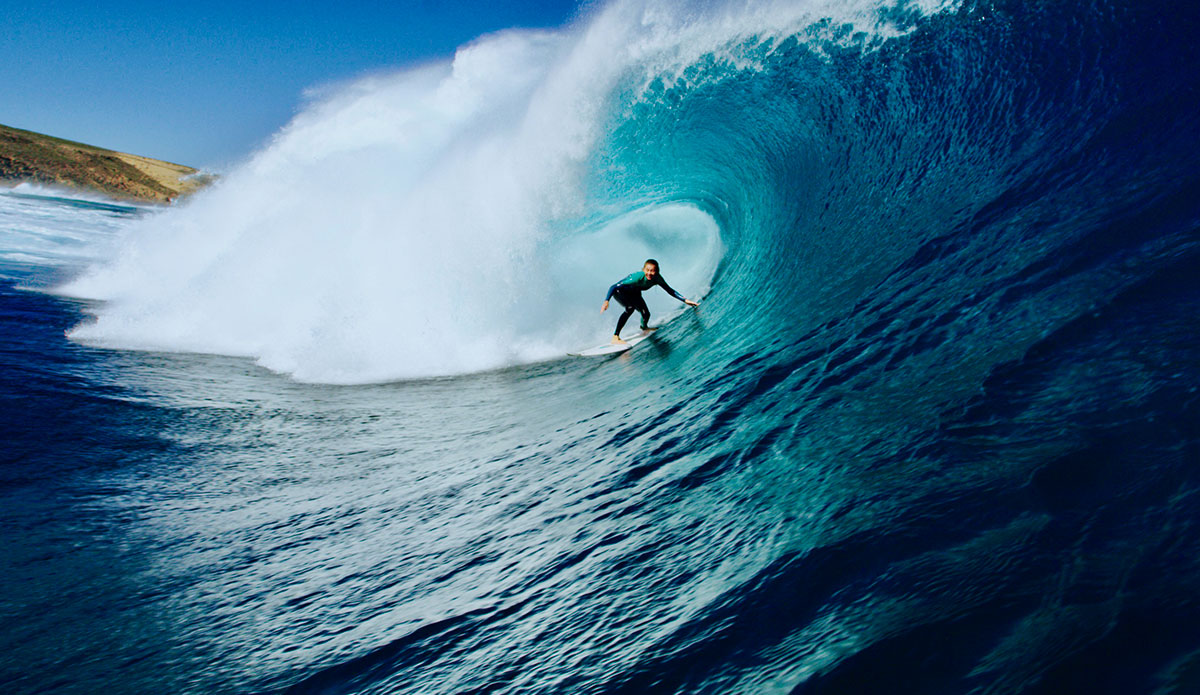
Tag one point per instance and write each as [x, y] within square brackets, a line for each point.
[31, 157]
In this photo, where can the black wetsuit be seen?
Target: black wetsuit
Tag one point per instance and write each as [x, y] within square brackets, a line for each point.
[629, 293]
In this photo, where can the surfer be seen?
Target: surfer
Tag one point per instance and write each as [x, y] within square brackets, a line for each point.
[629, 293]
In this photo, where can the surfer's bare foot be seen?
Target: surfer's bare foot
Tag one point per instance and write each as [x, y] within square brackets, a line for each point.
[649, 329]
[617, 340]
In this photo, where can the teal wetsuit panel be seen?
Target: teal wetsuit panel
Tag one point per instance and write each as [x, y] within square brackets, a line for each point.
[640, 283]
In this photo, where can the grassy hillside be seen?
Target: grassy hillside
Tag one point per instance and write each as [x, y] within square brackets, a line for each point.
[36, 158]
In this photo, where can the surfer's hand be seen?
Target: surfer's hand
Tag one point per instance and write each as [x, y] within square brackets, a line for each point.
[604, 307]
[691, 303]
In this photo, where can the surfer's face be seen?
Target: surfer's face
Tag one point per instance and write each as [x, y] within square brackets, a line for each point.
[650, 270]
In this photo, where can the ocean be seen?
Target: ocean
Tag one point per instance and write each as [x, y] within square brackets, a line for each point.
[934, 427]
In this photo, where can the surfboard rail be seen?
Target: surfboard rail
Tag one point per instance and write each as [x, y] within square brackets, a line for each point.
[613, 348]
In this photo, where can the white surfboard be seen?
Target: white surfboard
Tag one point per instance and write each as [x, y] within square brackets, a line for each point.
[612, 349]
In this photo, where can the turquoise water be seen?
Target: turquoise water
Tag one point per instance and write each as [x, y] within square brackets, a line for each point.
[932, 429]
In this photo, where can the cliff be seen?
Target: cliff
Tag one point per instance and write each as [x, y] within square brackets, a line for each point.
[32, 157]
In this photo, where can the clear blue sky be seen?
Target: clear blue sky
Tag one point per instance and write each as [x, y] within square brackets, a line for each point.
[203, 82]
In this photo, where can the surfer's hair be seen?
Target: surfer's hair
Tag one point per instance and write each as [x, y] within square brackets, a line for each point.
[650, 261]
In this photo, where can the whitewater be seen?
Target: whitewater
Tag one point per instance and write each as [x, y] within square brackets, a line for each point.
[934, 426]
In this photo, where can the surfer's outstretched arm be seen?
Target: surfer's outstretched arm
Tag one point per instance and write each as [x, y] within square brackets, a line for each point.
[612, 290]
[663, 284]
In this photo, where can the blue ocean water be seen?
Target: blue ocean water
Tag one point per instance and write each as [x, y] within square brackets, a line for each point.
[933, 429]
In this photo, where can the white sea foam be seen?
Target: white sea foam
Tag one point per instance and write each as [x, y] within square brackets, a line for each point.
[417, 224]
[48, 229]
